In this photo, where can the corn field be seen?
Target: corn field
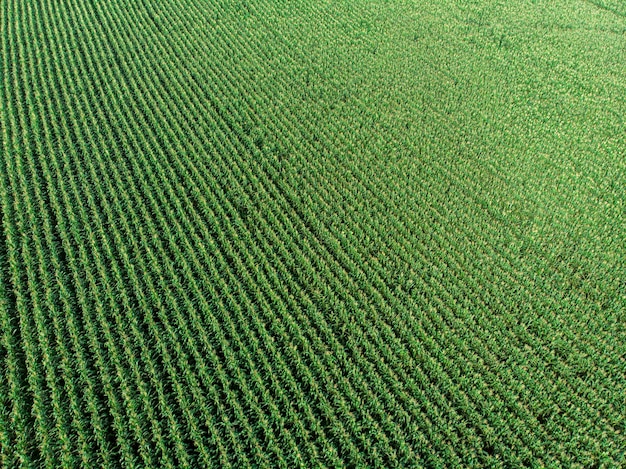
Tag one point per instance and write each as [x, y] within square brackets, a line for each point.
[281, 234]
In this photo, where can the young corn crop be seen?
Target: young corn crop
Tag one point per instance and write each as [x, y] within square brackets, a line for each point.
[280, 234]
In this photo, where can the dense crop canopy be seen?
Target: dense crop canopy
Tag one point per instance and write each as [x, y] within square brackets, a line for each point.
[271, 233]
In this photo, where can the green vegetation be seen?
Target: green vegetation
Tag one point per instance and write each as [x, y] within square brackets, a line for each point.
[345, 233]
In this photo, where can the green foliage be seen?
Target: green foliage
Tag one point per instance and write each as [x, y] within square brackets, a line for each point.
[312, 234]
